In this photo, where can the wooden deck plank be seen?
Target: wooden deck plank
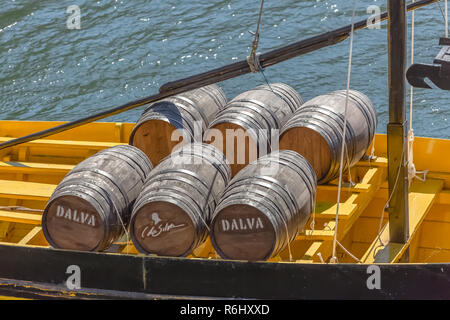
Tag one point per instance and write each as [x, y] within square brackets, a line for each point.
[422, 196]
[349, 212]
[99, 145]
[19, 217]
[33, 167]
[33, 234]
[26, 190]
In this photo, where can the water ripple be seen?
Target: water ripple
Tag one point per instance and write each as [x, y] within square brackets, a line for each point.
[126, 50]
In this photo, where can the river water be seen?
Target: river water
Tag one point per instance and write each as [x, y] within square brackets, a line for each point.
[125, 50]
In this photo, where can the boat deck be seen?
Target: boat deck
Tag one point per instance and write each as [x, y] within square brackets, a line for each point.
[30, 172]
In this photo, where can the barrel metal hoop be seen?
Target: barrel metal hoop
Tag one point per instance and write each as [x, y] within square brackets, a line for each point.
[139, 154]
[187, 172]
[194, 106]
[365, 110]
[109, 177]
[225, 174]
[158, 179]
[243, 115]
[266, 183]
[277, 92]
[126, 159]
[214, 97]
[301, 172]
[264, 107]
[284, 93]
[262, 181]
[157, 116]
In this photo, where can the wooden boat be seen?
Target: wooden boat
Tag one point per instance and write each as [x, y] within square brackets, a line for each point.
[371, 263]
[30, 268]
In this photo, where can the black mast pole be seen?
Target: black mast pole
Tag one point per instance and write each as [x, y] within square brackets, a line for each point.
[397, 143]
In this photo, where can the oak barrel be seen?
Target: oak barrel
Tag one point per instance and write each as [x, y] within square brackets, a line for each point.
[264, 207]
[315, 131]
[184, 116]
[91, 207]
[243, 130]
[172, 214]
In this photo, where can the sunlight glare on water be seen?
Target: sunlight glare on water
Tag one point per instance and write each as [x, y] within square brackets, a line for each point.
[126, 49]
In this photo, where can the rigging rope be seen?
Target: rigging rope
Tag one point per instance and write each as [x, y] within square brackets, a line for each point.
[333, 257]
[255, 66]
[444, 15]
[253, 59]
[412, 172]
[446, 19]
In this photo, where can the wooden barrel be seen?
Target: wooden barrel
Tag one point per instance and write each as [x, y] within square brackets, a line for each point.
[243, 129]
[264, 207]
[315, 131]
[187, 115]
[172, 214]
[91, 207]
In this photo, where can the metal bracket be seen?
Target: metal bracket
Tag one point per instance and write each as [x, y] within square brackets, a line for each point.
[438, 73]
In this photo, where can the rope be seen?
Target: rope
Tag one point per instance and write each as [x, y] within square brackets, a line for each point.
[348, 252]
[380, 230]
[444, 15]
[412, 172]
[334, 258]
[253, 59]
[446, 19]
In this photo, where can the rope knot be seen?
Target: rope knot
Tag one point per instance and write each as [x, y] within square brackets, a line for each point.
[254, 63]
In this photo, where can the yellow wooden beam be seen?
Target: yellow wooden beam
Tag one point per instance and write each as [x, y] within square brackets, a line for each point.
[33, 167]
[95, 131]
[349, 212]
[6, 228]
[378, 162]
[26, 190]
[97, 145]
[31, 236]
[309, 254]
[359, 187]
[421, 198]
[204, 249]
[316, 235]
[20, 217]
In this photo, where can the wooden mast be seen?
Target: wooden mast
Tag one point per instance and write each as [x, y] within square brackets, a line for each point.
[397, 142]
